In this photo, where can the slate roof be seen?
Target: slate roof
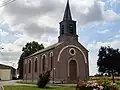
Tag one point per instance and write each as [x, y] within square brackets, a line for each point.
[67, 14]
[45, 49]
[5, 67]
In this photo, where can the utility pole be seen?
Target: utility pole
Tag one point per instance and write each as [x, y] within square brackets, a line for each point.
[0, 52]
[0, 43]
[1, 48]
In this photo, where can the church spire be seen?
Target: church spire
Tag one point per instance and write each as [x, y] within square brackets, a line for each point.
[67, 26]
[67, 14]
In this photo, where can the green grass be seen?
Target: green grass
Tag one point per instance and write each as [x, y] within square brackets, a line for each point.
[23, 82]
[35, 88]
[118, 85]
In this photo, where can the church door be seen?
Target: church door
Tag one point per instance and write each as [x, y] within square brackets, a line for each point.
[73, 70]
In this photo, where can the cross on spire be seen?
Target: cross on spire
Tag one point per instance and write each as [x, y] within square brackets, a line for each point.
[67, 14]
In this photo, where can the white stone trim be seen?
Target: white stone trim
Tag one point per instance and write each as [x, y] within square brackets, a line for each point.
[77, 66]
[68, 47]
[51, 53]
[29, 61]
[36, 59]
[29, 65]
[42, 62]
[44, 55]
[73, 50]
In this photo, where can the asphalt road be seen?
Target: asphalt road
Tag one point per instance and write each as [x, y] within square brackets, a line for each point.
[12, 82]
[2, 83]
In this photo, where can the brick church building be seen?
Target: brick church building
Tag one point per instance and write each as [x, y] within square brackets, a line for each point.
[67, 59]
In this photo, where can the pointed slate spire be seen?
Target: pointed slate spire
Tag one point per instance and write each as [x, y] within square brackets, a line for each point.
[67, 14]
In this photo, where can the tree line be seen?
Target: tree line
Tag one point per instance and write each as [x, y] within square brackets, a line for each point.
[109, 61]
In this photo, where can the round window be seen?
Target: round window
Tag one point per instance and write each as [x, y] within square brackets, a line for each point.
[72, 51]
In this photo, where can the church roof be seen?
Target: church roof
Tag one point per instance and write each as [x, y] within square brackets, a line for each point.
[46, 49]
[67, 14]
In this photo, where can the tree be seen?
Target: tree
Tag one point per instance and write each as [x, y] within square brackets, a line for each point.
[108, 61]
[27, 50]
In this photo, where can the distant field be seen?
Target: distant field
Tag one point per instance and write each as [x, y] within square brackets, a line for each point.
[104, 78]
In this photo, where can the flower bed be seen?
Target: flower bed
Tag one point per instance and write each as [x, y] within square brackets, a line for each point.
[96, 85]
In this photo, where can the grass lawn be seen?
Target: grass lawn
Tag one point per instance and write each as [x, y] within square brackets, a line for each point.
[118, 85]
[35, 88]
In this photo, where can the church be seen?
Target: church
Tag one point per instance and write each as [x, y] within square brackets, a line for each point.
[67, 59]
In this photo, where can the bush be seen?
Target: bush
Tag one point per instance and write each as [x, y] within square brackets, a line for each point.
[43, 79]
[96, 85]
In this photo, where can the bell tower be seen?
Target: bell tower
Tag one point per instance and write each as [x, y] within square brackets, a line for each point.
[67, 26]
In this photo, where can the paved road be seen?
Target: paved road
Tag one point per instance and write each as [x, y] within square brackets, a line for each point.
[2, 83]
[1, 88]
[12, 82]
[7, 82]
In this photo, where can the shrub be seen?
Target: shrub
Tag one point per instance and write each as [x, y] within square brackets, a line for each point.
[44, 78]
[14, 78]
[96, 85]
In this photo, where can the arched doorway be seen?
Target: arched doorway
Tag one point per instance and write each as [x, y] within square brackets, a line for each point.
[73, 70]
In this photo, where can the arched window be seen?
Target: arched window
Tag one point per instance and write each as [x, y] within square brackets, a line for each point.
[51, 60]
[36, 65]
[29, 66]
[25, 68]
[43, 63]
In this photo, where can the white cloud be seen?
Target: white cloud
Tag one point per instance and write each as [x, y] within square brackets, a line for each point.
[110, 15]
[103, 31]
[112, 2]
[93, 52]
[118, 31]
[3, 33]
[38, 17]
[117, 36]
[12, 51]
[10, 54]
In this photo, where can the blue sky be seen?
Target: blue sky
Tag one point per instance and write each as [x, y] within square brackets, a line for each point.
[98, 24]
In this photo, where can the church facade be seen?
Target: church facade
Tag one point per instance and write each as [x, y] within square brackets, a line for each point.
[67, 60]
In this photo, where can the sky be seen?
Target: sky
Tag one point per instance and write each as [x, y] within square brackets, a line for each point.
[98, 24]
